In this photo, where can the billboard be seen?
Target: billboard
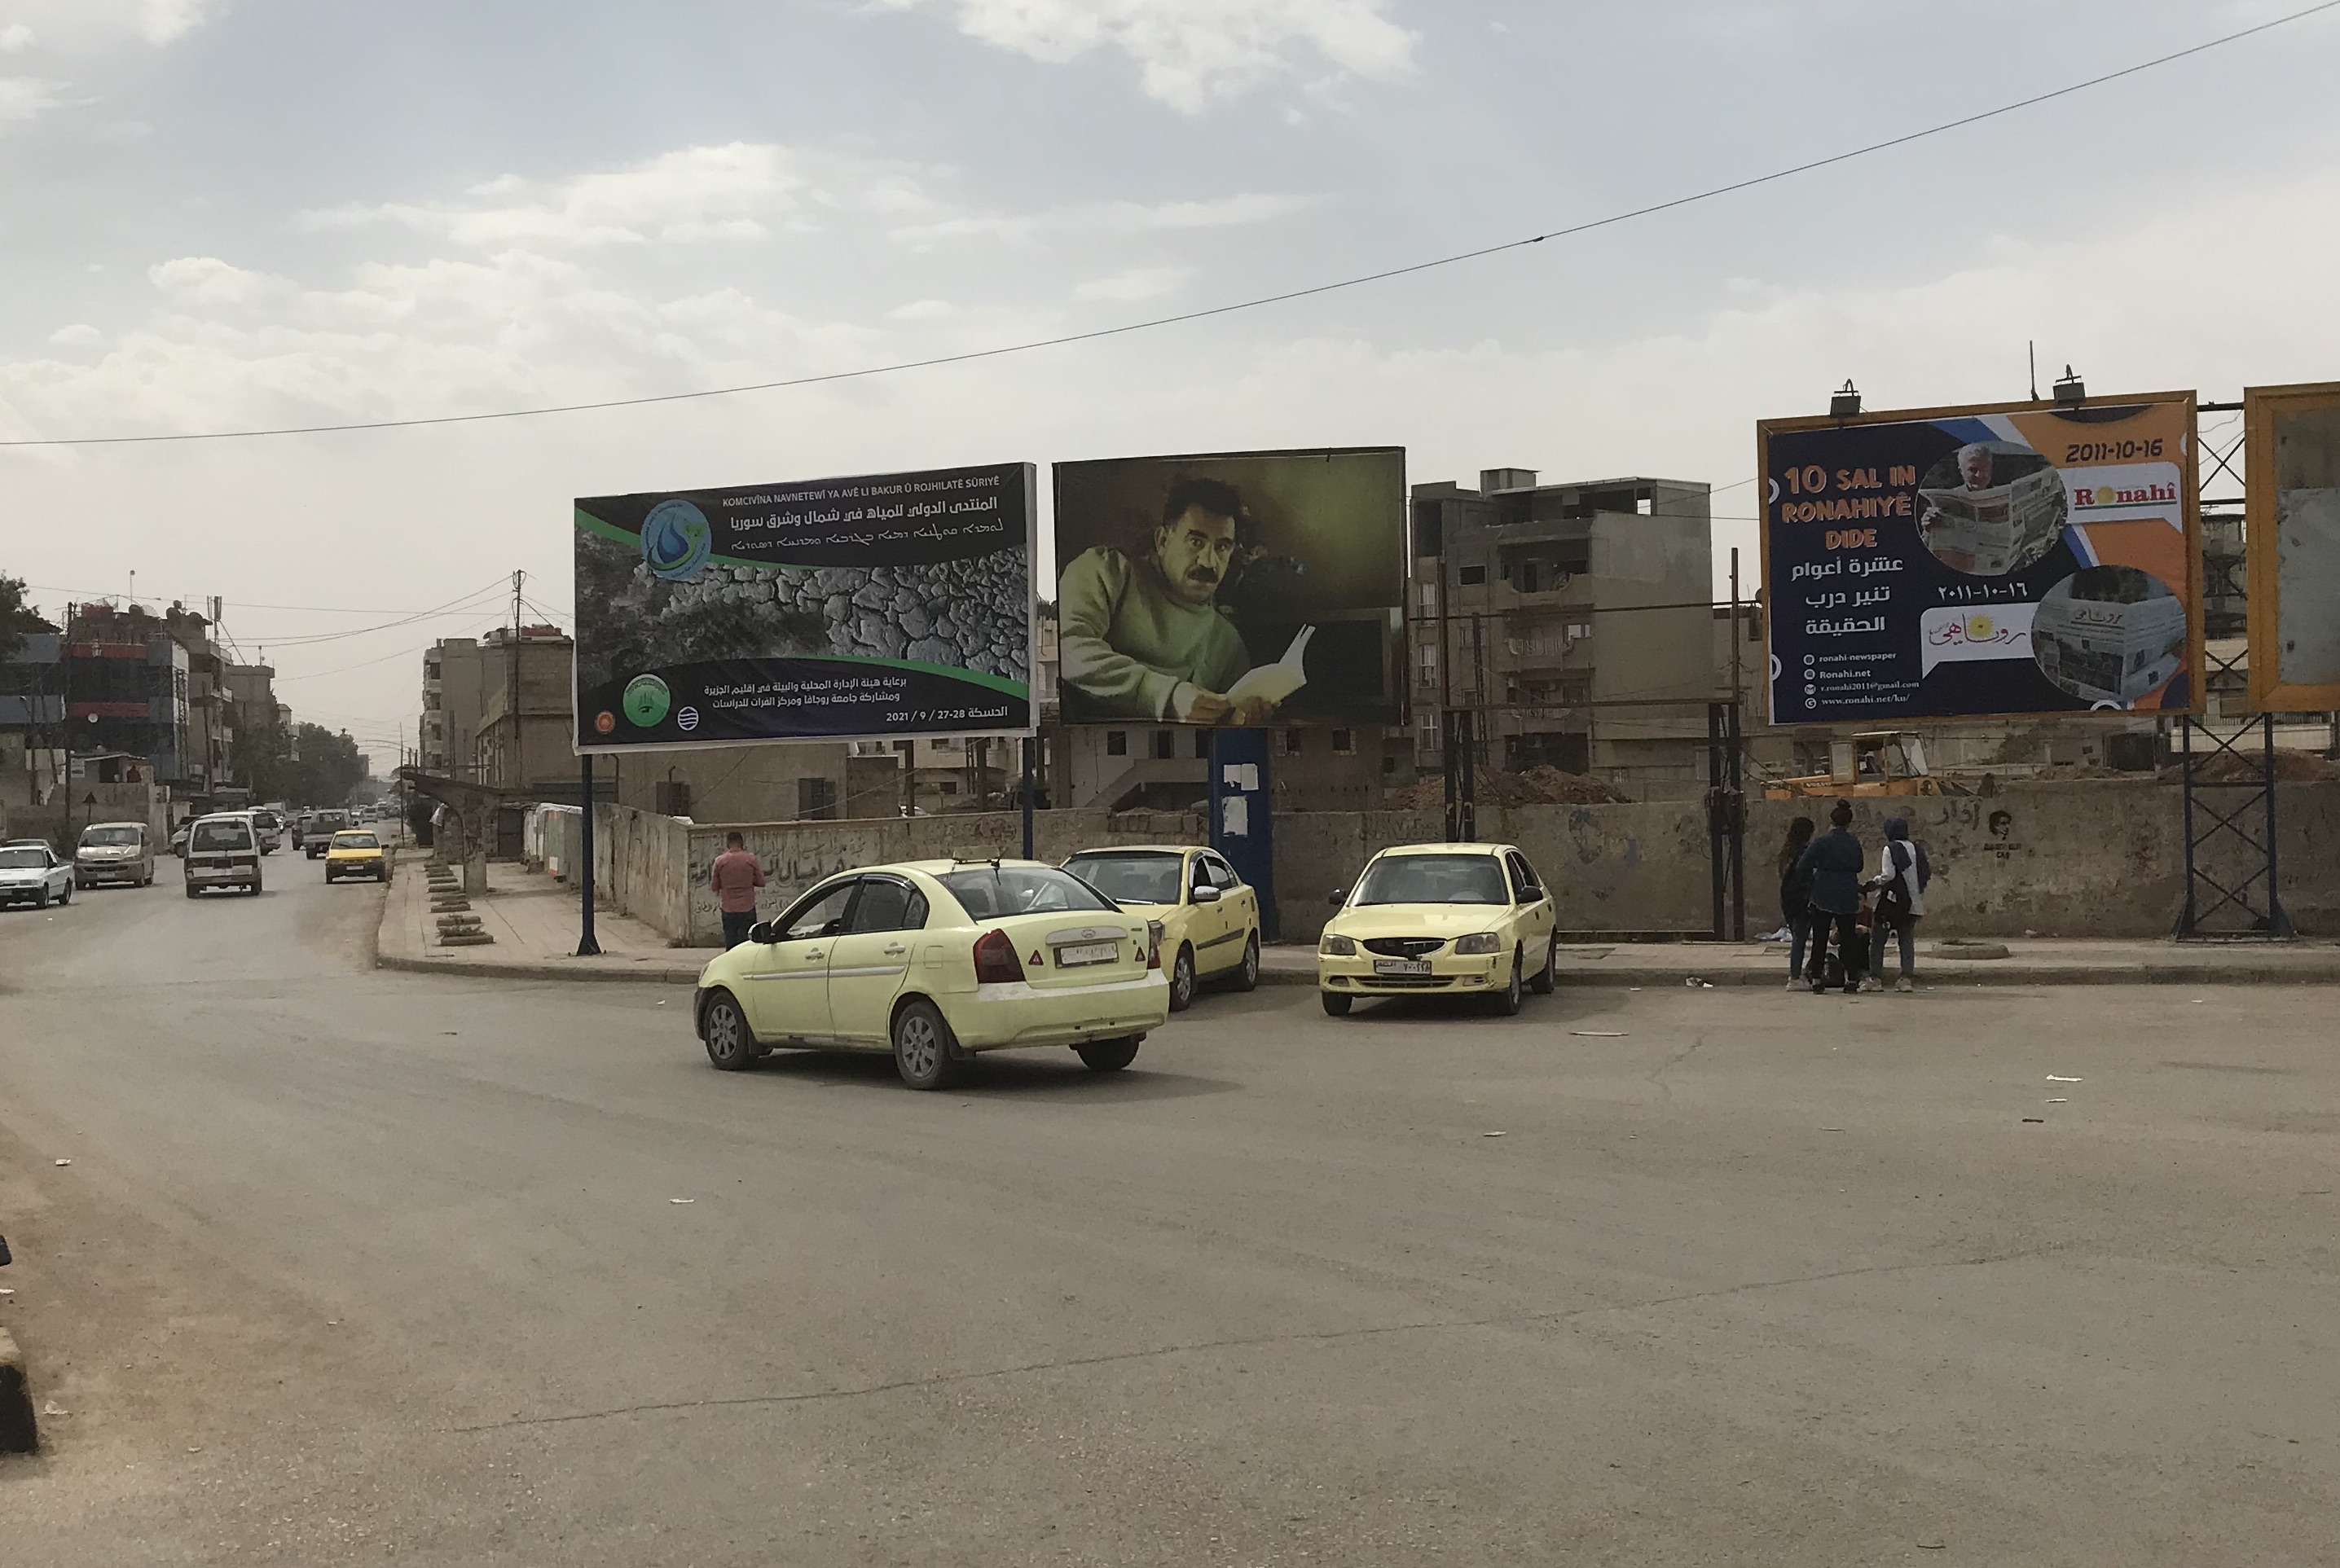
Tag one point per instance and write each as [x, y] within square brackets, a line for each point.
[870, 608]
[1239, 588]
[2004, 559]
[2291, 516]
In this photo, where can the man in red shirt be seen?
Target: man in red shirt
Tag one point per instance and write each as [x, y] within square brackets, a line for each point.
[735, 876]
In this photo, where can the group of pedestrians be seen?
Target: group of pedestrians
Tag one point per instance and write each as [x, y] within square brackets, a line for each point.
[1821, 889]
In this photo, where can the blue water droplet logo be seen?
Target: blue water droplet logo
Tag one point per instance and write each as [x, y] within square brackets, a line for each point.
[676, 541]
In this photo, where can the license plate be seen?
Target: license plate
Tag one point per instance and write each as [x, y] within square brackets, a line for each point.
[1401, 966]
[1088, 953]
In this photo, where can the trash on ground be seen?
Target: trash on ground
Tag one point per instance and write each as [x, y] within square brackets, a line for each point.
[1599, 1034]
[54, 1408]
[1831, 1130]
[2039, 1120]
[1490, 1135]
[2058, 1078]
[683, 1200]
[2059, 1100]
[64, 1162]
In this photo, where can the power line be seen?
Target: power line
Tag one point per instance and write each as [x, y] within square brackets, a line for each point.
[1285, 297]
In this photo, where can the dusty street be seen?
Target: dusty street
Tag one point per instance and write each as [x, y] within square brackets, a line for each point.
[359, 1266]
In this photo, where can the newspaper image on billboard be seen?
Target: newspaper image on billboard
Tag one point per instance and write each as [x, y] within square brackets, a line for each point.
[1983, 561]
[2291, 437]
[875, 606]
[1240, 588]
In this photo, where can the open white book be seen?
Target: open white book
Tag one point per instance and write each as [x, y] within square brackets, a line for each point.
[1279, 680]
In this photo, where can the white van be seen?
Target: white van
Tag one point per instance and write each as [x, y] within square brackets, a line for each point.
[114, 851]
[224, 851]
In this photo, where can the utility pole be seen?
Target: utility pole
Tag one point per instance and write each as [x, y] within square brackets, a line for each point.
[511, 701]
[64, 705]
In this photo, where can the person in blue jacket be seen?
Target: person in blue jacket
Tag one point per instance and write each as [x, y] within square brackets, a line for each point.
[1833, 864]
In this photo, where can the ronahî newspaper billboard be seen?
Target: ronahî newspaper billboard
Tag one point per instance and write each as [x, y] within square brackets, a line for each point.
[2001, 559]
[2291, 456]
[868, 607]
[1239, 588]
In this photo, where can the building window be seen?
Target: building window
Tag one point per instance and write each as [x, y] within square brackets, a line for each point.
[1470, 576]
[1288, 743]
[1389, 766]
[1528, 578]
[950, 786]
[1578, 630]
[1344, 743]
[816, 800]
[1117, 743]
[1203, 744]
[673, 798]
[1429, 660]
[1426, 596]
[1166, 745]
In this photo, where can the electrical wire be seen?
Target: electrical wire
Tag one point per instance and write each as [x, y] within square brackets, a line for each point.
[1610, 220]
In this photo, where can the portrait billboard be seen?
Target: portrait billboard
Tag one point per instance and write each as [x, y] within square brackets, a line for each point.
[2291, 515]
[1997, 560]
[872, 607]
[1239, 588]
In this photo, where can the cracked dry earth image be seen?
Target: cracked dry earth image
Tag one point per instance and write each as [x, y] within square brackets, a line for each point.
[967, 614]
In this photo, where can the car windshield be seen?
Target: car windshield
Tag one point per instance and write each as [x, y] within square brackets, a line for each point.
[109, 835]
[355, 840]
[991, 891]
[23, 859]
[221, 835]
[1145, 878]
[1433, 878]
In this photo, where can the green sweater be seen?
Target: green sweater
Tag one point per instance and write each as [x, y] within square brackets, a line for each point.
[1126, 641]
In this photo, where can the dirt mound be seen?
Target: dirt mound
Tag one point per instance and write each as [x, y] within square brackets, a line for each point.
[2224, 767]
[1541, 785]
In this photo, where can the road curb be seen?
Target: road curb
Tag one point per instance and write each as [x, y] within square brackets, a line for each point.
[19, 1433]
[1960, 973]
[520, 969]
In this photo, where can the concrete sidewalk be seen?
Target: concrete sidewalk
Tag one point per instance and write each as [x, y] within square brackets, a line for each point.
[534, 922]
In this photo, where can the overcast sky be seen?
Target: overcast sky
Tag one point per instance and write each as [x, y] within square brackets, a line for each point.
[227, 214]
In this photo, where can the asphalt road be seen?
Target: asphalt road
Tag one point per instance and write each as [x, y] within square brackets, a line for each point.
[355, 1266]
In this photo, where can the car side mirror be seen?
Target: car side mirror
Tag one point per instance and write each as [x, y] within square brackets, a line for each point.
[1340, 896]
[762, 933]
[1206, 895]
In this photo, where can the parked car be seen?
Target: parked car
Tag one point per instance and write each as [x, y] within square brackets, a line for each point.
[271, 826]
[356, 853]
[1440, 919]
[1209, 915]
[114, 852]
[317, 831]
[179, 837]
[224, 851]
[31, 873]
[936, 961]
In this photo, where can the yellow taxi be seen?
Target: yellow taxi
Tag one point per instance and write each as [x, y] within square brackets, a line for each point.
[936, 961]
[1440, 920]
[356, 854]
[1209, 915]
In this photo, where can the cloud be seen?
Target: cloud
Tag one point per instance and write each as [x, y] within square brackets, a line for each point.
[1191, 51]
[1110, 218]
[15, 39]
[1139, 283]
[695, 196]
[81, 24]
[80, 335]
[24, 98]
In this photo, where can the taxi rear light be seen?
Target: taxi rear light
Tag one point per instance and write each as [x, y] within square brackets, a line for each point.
[1154, 929]
[994, 959]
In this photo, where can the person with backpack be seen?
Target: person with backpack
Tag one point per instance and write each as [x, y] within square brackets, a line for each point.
[1795, 896]
[1833, 864]
[1900, 883]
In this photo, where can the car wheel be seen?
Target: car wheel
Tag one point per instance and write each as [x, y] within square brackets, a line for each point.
[192, 890]
[1247, 971]
[64, 894]
[41, 898]
[1335, 1004]
[1550, 977]
[922, 1046]
[256, 887]
[1182, 980]
[1107, 1055]
[1508, 1003]
[730, 1044]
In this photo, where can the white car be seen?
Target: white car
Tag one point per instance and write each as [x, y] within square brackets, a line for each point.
[32, 873]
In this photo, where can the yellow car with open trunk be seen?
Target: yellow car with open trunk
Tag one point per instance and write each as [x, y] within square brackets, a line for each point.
[1440, 920]
[937, 961]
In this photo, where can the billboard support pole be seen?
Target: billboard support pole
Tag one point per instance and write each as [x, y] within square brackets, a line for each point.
[1716, 867]
[1029, 745]
[2278, 922]
[587, 947]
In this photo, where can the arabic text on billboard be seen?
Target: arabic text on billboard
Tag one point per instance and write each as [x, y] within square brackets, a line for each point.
[1244, 589]
[868, 607]
[1984, 561]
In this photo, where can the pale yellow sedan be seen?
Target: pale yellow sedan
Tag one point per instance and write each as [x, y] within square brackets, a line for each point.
[937, 961]
[1440, 920]
[1209, 915]
[356, 852]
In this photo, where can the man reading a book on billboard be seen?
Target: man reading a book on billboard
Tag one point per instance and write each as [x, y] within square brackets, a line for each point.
[1143, 636]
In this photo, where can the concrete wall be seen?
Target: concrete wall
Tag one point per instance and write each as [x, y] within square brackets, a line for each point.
[2102, 858]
